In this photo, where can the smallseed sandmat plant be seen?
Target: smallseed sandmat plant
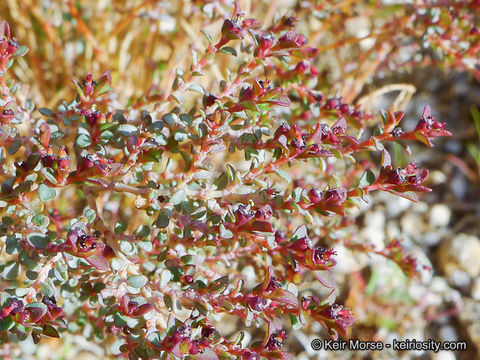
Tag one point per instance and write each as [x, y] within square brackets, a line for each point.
[137, 224]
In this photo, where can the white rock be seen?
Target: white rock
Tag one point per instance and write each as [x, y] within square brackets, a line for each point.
[448, 333]
[476, 290]
[396, 205]
[444, 355]
[412, 223]
[374, 232]
[461, 252]
[430, 238]
[439, 215]
[460, 278]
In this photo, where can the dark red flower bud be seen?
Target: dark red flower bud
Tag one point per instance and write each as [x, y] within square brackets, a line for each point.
[8, 114]
[266, 42]
[183, 331]
[242, 215]
[414, 174]
[188, 279]
[12, 306]
[194, 349]
[49, 301]
[290, 21]
[231, 30]
[132, 307]
[99, 164]
[64, 162]
[275, 341]
[314, 195]
[283, 129]
[209, 99]
[357, 114]
[298, 145]
[291, 39]
[12, 48]
[322, 255]
[48, 160]
[301, 68]
[280, 236]
[427, 123]
[208, 331]
[397, 132]
[92, 116]
[273, 285]
[88, 85]
[309, 300]
[396, 177]
[250, 355]
[342, 316]
[335, 195]
[332, 104]
[264, 213]
[317, 96]
[250, 23]
[317, 150]
[302, 244]
[54, 311]
[83, 245]
[256, 303]
[345, 109]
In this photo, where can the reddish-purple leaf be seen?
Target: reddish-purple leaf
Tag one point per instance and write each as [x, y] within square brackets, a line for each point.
[98, 262]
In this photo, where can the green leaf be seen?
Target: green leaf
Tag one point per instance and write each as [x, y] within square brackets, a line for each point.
[89, 214]
[207, 36]
[40, 220]
[250, 106]
[120, 320]
[167, 299]
[6, 324]
[83, 141]
[170, 118]
[162, 220]
[283, 175]
[423, 139]
[221, 182]
[38, 305]
[201, 308]
[12, 245]
[50, 331]
[197, 88]
[178, 197]
[46, 193]
[142, 231]
[180, 135]
[38, 240]
[225, 233]
[49, 175]
[230, 173]
[127, 248]
[137, 281]
[45, 111]
[22, 50]
[127, 129]
[229, 50]
[117, 264]
[368, 178]
[120, 227]
[295, 321]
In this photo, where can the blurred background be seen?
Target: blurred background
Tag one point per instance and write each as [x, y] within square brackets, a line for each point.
[371, 53]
